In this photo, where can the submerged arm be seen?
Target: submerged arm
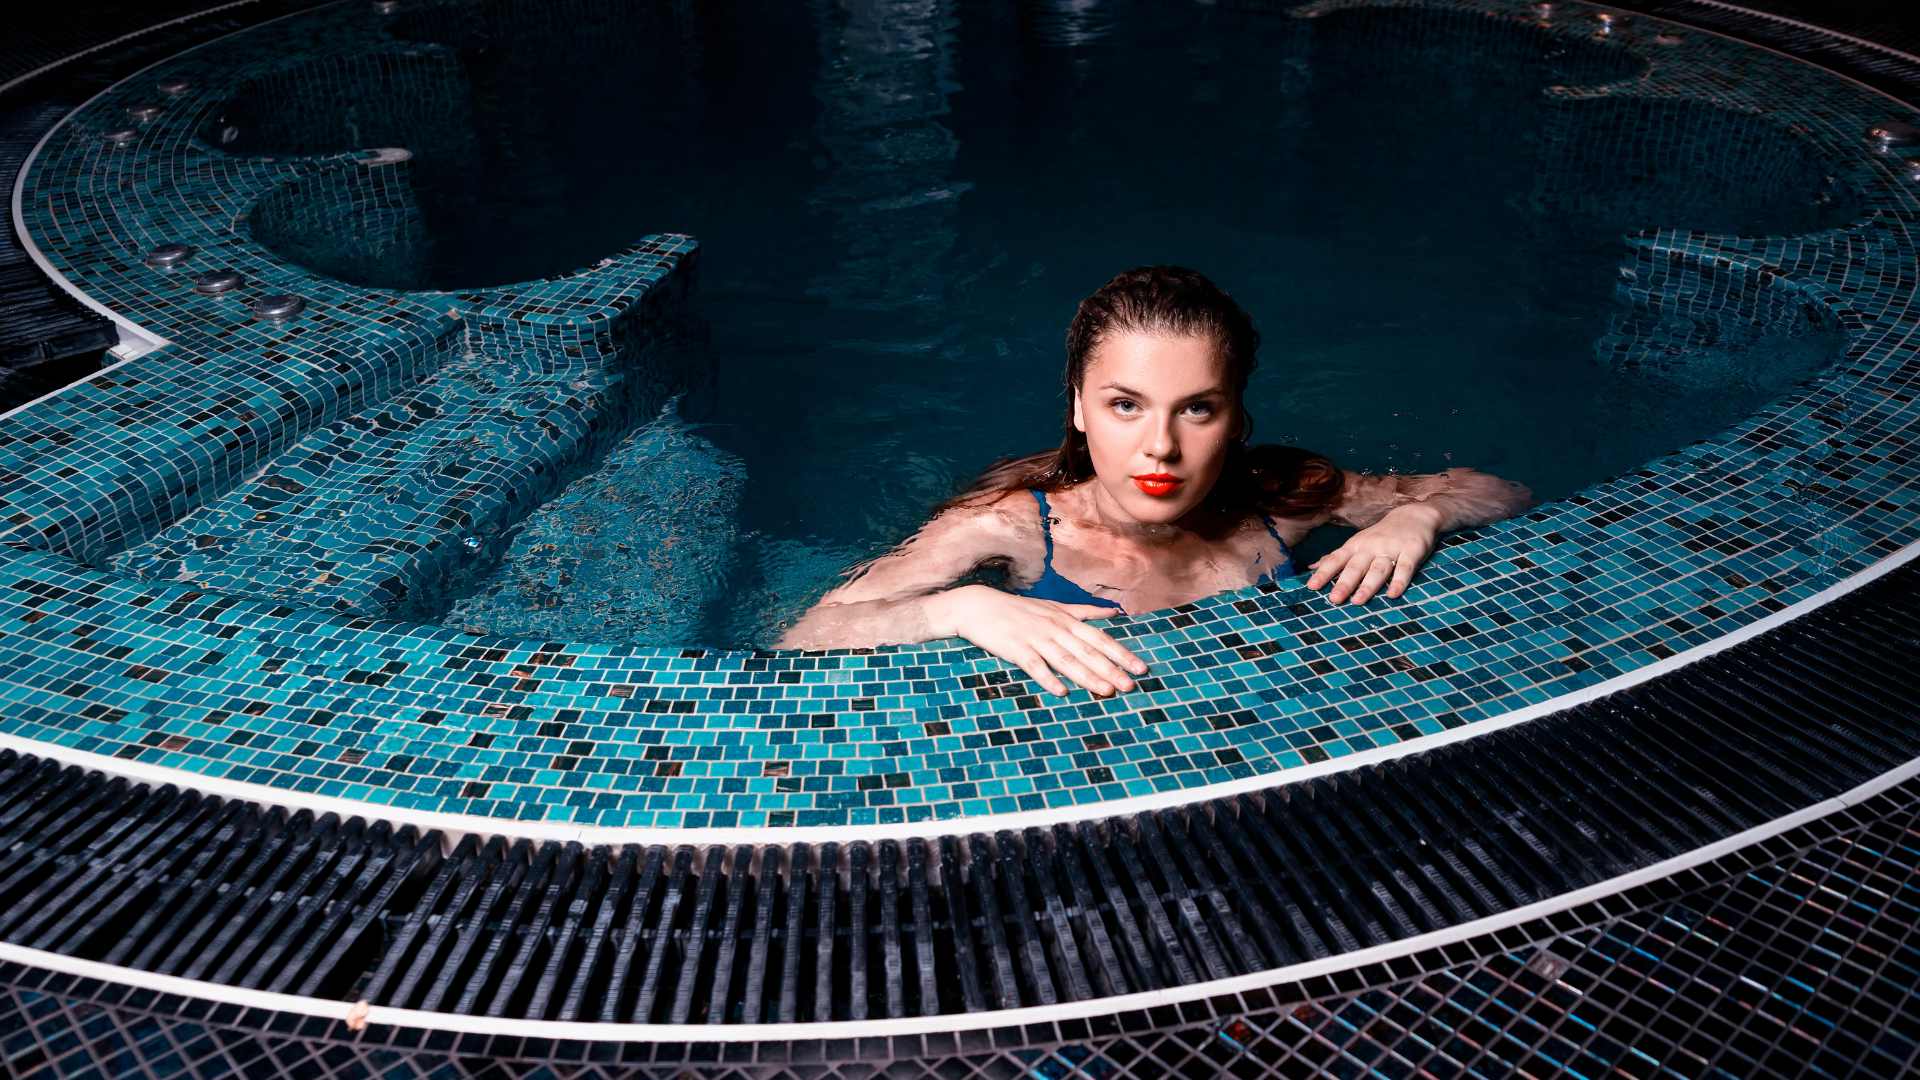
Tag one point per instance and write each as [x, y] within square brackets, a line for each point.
[1401, 518]
[1455, 499]
[903, 597]
[862, 625]
[898, 598]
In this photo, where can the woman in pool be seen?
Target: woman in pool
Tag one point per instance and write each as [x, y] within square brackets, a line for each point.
[1153, 499]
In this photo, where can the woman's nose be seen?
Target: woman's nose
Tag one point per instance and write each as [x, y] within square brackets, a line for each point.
[1161, 443]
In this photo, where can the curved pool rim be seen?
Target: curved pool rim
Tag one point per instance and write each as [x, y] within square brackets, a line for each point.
[1516, 555]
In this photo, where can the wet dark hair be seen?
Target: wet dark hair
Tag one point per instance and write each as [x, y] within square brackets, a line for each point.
[1282, 480]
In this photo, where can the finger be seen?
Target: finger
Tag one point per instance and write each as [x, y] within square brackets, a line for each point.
[1061, 655]
[1350, 577]
[1378, 571]
[1102, 665]
[1037, 670]
[1328, 567]
[1402, 576]
[1090, 611]
[1111, 649]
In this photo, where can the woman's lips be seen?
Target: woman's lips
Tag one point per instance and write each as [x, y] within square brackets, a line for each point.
[1158, 485]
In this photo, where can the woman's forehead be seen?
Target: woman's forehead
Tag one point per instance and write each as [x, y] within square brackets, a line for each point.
[1158, 365]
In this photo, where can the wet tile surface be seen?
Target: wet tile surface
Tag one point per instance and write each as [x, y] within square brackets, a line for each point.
[119, 476]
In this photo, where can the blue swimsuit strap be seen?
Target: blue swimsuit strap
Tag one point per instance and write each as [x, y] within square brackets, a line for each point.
[1046, 526]
[1275, 533]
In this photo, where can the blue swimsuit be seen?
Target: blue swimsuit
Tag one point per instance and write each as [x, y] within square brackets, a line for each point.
[1055, 586]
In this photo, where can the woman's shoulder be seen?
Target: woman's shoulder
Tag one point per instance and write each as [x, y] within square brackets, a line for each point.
[1008, 515]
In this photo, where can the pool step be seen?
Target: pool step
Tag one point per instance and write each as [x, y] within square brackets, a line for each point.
[636, 551]
[793, 932]
[372, 513]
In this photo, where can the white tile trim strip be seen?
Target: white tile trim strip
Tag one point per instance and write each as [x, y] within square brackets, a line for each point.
[135, 339]
[1797, 24]
[456, 826]
[848, 1029]
[90, 50]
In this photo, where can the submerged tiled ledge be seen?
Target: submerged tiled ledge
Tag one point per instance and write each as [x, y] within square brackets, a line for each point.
[1706, 540]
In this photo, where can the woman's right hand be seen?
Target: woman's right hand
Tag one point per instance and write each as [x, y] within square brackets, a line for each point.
[1041, 637]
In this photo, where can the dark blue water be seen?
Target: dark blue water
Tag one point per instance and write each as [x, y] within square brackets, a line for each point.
[900, 205]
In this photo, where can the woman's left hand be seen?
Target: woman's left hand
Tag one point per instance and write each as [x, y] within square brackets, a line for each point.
[1386, 552]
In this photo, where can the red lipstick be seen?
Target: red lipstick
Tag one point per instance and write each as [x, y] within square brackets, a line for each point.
[1158, 485]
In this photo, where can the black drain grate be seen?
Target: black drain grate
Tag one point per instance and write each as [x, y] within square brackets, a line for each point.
[179, 883]
[1798, 955]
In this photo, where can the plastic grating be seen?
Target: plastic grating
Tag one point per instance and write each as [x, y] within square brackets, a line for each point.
[183, 884]
[40, 325]
[1799, 957]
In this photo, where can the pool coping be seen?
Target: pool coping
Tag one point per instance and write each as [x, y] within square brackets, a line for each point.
[455, 827]
[964, 822]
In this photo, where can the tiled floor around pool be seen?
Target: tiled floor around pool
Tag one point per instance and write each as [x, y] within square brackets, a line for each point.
[1696, 544]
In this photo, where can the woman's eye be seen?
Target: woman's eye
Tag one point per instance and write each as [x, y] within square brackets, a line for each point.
[1127, 407]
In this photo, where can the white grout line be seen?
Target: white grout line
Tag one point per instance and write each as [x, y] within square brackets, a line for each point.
[456, 826]
[843, 1029]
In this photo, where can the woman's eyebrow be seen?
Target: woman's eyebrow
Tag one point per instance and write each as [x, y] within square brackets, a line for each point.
[1214, 391]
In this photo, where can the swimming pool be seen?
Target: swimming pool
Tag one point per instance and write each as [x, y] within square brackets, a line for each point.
[898, 214]
[219, 667]
[284, 631]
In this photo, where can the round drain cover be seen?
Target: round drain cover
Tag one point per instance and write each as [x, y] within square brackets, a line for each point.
[278, 307]
[214, 282]
[167, 255]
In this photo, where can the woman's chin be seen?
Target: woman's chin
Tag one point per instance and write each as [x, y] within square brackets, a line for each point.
[1157, 509]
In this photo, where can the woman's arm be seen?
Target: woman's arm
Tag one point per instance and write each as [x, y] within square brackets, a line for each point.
[1401, 518]
[1457, 498]
[892, 600]
[902, 597]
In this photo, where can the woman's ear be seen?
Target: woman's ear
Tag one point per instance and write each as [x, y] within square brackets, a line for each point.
[1079, 421]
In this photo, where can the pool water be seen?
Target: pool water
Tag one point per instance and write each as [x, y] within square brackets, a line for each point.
[899, 206]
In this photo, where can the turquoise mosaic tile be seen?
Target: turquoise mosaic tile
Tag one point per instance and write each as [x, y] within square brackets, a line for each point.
[276, 651]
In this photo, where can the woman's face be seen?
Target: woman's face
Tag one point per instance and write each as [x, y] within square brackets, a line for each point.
[1158, 416]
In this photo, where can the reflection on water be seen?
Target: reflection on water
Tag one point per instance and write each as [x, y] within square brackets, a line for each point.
[900, 204]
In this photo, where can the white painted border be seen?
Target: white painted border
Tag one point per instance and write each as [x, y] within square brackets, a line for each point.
[849, 1029]
[135, 339]
[90, 50]
[455, 826]
[1797, 24]
[143, 339]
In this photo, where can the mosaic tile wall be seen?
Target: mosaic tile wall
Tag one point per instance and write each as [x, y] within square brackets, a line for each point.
[104, 478]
